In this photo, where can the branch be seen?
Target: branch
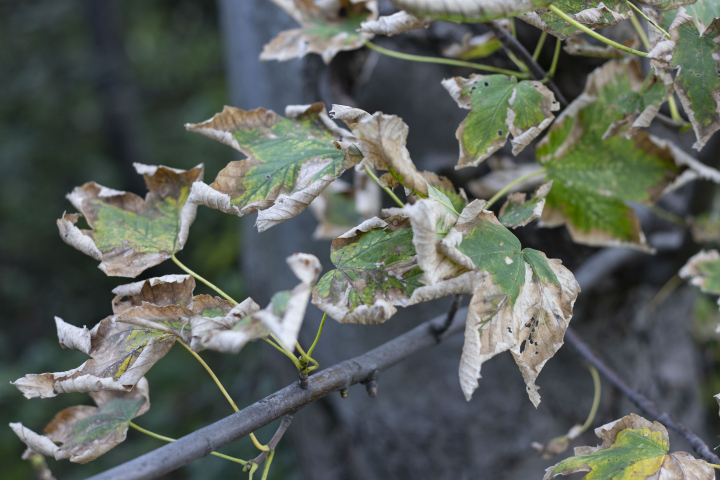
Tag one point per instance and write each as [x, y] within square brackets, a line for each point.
[286, 421]
[512, 44]
[291, 398]
[641, 400]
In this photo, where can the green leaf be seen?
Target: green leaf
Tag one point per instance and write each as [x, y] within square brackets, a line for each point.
[703, 270]
[516, 212]
[471, 48]
[86, 432]
[695, 54]
[593, 14]
[474, 11]
[638, 109]
[129, 234]
[326, 30]
[376, 271]
[632, 448]
[442, 189]
[499, 106]
[521, 301]
[594, 178]
[703, 13]
[290, 161]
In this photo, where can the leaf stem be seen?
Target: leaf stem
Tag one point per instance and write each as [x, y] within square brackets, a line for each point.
[596, 399]
[510, 185]
[285, 352]
[267, 465]
[317, 336]
[641, 32]
[443, 61]
[592, 33]
[674, 112]
[556, 56]
[387, 190]
[638, 28]
[539, 46]
[716, 467]
[198, 277]
[168, 439]
[212, 374]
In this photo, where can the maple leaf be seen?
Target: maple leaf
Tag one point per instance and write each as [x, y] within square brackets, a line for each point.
[290, 161]
[229, 331]
[593, 14]
[693, 52]
[382, 140]
[327, 28]
[376, 271]
[86, 432]
[593, 177]
[342, 206]
[516, 212]
[474, 11]
[149, 316]
[703, 270]
[500, 105]
[521, 301]
[633, 448]
[394, 24]
[129, 234]
[472, 47]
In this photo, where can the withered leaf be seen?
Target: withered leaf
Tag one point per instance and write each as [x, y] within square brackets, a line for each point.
[326, 28]
[469, 10]
[290, 161]
[84, 432]
[516, 212]
[633, 448]
[129, 234]
[593, 14]
[382, 141]
[394, 24]
[376, 271]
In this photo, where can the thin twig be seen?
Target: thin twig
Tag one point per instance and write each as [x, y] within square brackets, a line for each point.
[449, 318]
[286, 421]
[639, 399]
[536, 70]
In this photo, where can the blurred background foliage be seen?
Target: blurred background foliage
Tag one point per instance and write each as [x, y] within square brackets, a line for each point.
[88, 88]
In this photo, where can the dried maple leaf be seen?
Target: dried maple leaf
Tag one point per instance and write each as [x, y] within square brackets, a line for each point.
[230, 331]
[149, 317]
[593, 14]
[290, 161]
[499, 105]
[327, 28]
[703, 270]
[469, 10]
[521, 301]
[633, 448]
[693, 52]
[129, 234]
[86, 432]
[342, 206]
[516, 212]
[376, 271]
[394, 24]
[382, 141]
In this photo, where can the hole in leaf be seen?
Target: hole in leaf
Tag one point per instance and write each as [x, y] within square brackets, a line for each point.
[522, 346]
[499, 132]
[486, 84]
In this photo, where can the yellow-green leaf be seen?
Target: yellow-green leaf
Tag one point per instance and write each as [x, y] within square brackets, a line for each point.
[129, 234]
[290, 161]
